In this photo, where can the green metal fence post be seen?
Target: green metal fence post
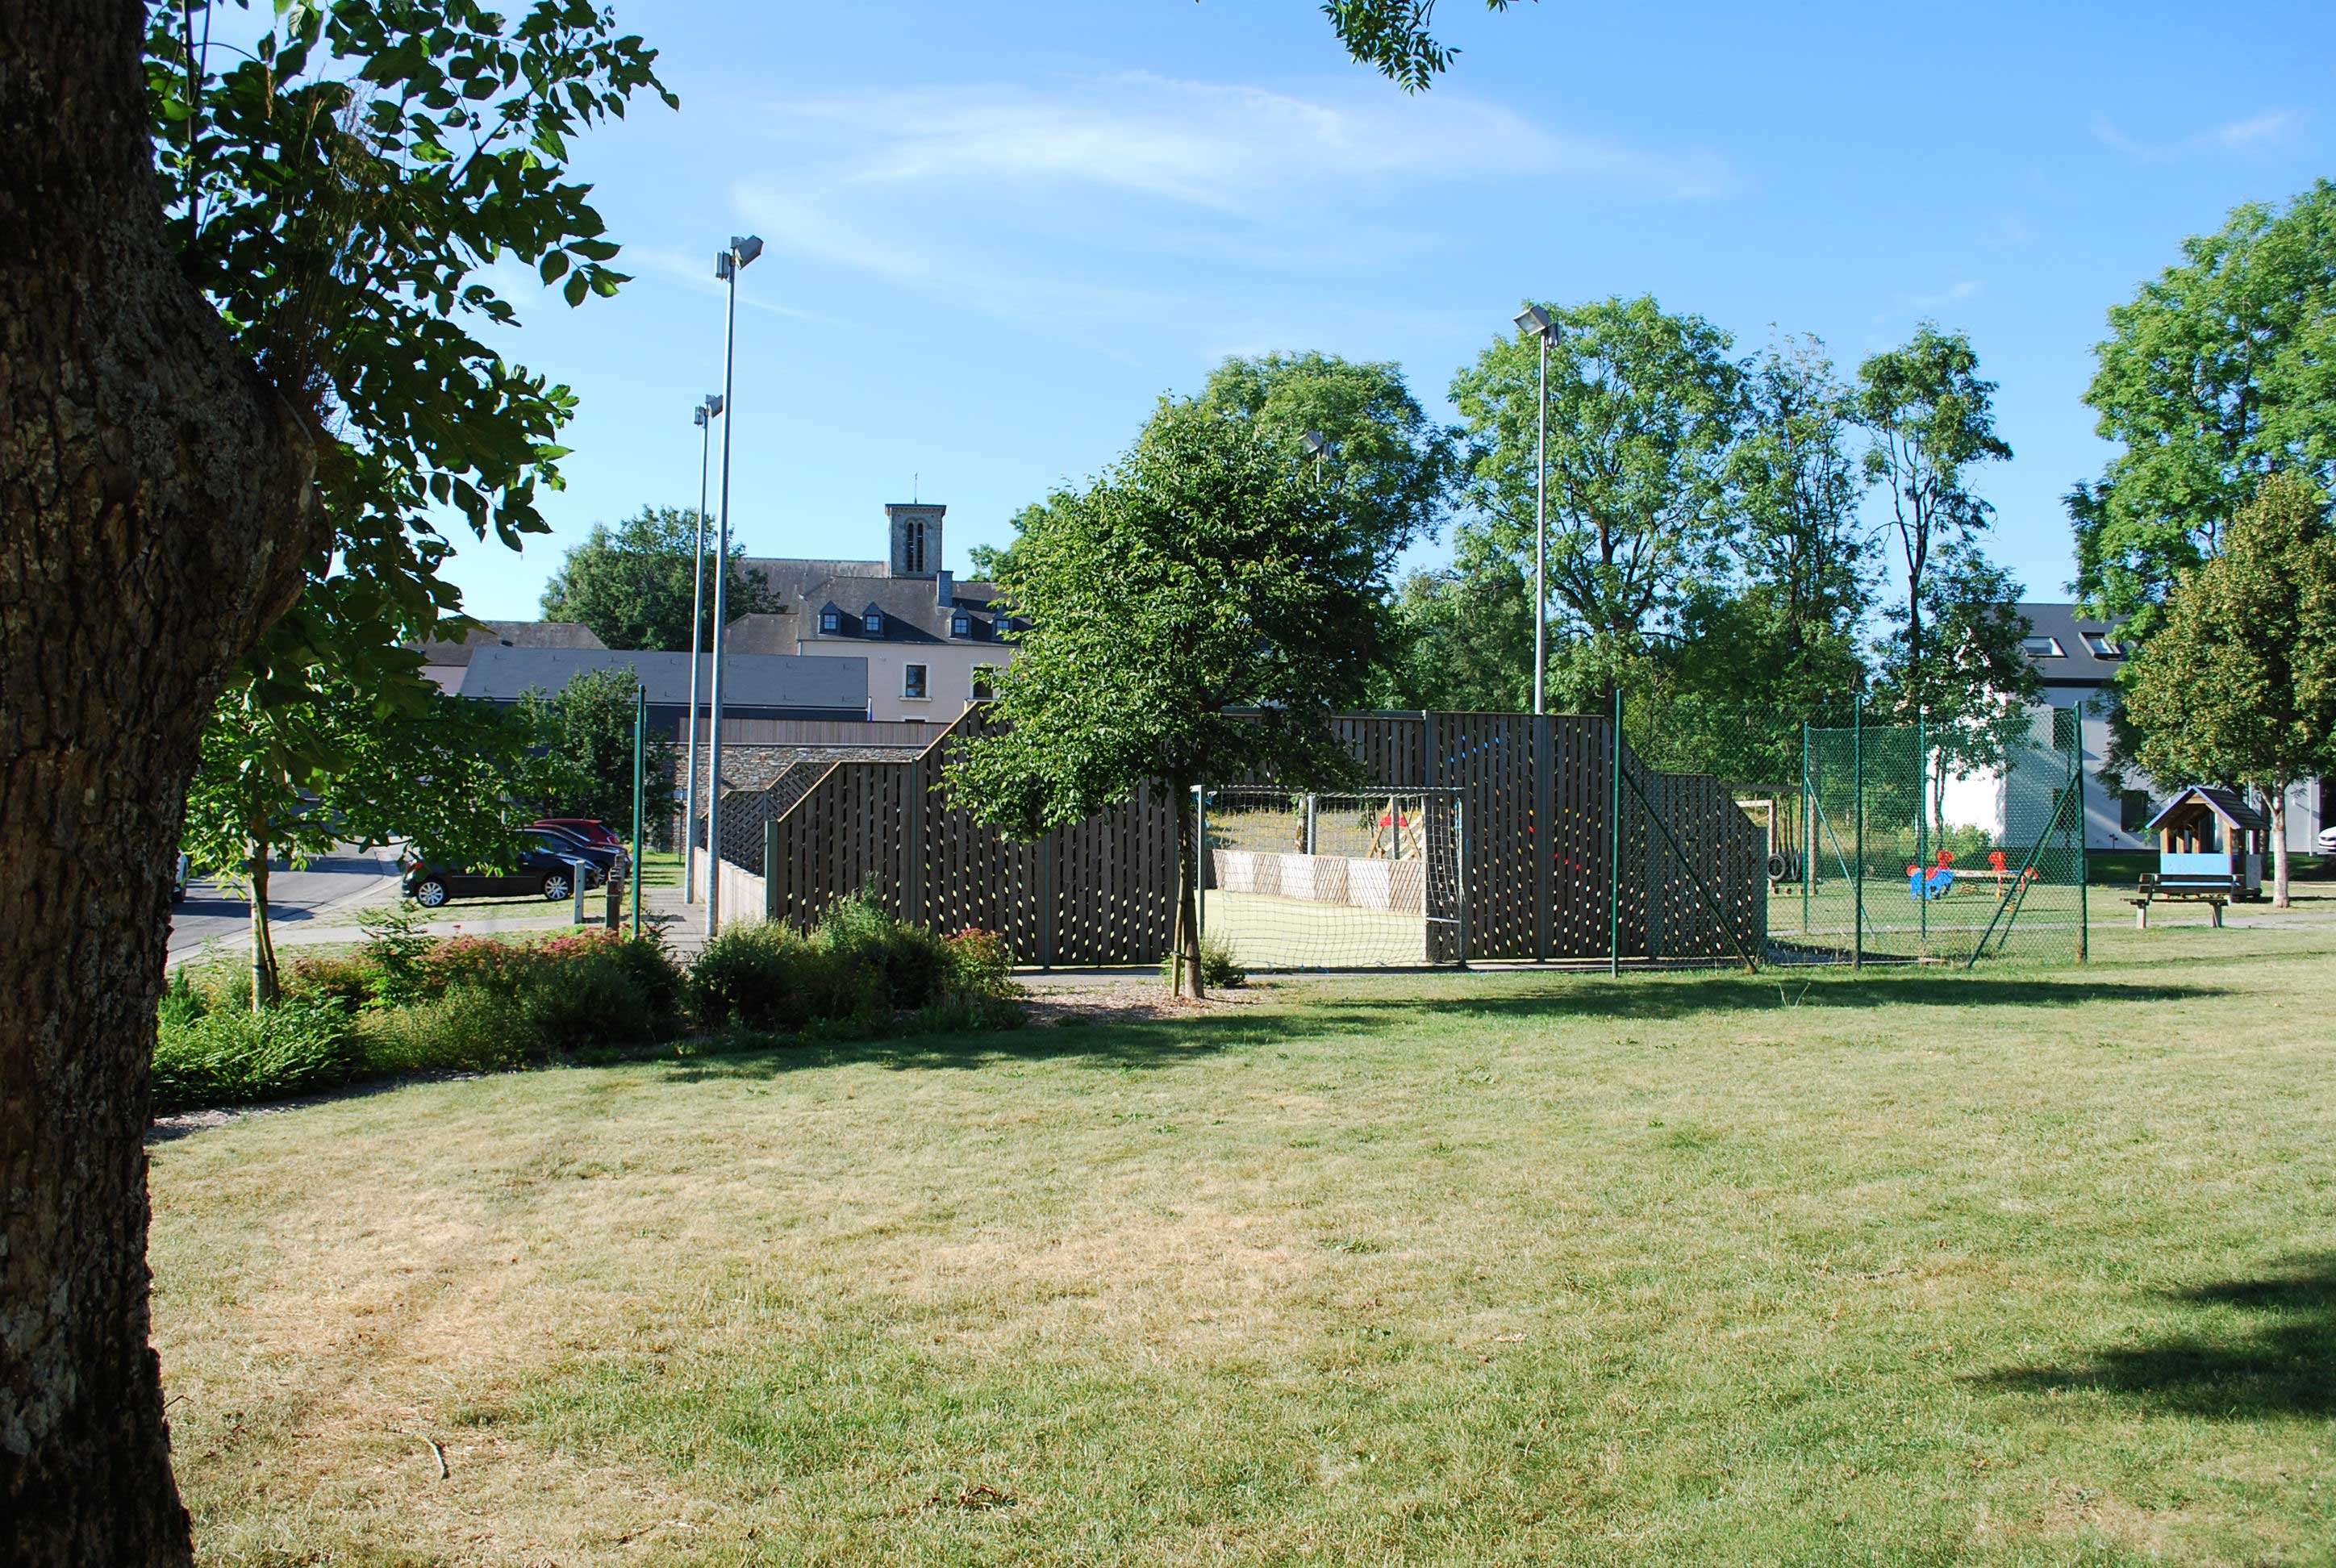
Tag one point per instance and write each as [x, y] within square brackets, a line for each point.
[1808, 830]
[1922, 832]
[2084, 846]
[1857, 833]
[1614, 848]
[640, 751]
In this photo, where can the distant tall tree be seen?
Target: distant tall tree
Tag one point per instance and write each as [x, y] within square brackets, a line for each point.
[2213, 375]
[589, 726]
[1930, 418]
[1460, 639]
[635, 584]
[2238, 686]
[1204, 573]
[1643, 407]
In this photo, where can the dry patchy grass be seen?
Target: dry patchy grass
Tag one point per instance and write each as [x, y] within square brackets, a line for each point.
[1907, 1268]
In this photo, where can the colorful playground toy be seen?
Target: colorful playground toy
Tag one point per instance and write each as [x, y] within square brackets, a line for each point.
[1923, 889]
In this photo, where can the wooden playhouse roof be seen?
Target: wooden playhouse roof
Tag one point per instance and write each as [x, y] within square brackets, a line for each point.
[2228, 805]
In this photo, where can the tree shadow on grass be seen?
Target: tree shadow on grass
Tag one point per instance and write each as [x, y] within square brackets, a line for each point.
[1142, 1043]
[2268, 1351]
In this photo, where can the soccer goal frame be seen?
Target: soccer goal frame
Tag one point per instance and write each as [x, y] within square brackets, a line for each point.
[1301, 880]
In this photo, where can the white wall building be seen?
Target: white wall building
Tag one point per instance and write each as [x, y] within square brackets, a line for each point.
[2078, 659]
[932, 644]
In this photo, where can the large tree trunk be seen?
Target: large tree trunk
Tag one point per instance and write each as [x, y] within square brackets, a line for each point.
[2278, 794]
[154, 511]
[1187, 948]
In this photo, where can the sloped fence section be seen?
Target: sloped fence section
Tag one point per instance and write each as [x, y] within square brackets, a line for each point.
[1543, 874]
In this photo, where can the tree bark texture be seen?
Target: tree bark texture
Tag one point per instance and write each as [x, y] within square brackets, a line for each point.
[2279, 889]
[154, 513]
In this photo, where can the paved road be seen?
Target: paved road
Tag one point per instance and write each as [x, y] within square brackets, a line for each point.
[334, 889]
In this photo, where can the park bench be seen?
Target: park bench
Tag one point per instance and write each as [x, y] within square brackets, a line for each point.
[2213, 888]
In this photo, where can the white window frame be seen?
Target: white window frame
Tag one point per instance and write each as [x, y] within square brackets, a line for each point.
[960, 625]
[873, 622]
[831, 620]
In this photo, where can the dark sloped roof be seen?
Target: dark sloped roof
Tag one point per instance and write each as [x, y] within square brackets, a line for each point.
[911, 608]
[509, 633]
[748, 679]
[2229, 805]
[2077, 664]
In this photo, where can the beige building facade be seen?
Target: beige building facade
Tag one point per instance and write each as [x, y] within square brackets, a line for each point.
[932, 644]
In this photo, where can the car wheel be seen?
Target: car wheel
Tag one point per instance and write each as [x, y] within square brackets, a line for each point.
[557, 888]
[430, 895]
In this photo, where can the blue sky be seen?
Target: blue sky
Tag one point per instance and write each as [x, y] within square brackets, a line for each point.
[997, 232]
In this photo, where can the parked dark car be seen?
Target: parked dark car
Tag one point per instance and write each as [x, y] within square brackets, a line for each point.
[542, 872]
[611, 859]
[591, 830]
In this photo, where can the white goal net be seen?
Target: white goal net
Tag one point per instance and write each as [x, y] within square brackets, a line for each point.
[1296, 881]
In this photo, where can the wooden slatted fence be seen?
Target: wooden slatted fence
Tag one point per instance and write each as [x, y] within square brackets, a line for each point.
[1535, 792]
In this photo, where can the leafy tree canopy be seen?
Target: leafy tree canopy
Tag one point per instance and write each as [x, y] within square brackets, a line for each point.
[1391, 468]
[1197, 614]
[2238, 686]
[636, 586]
[2215, 374]
[589, 726]
[338, 191]
[1930, 420]
[1643, 407]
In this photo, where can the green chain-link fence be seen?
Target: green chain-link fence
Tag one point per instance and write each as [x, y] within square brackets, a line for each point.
[1925, 843]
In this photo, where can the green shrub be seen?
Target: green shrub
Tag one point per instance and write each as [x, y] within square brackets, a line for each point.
[758, 976]
[980, 965]
[1220, 970]
[606, 993]
[399, 951]
[914, 963]
[234, 1056]
[347, 981]
[181, 1003]
[482, 963]
[467, 1030]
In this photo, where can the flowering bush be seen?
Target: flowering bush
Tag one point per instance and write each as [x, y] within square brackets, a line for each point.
[980, 964]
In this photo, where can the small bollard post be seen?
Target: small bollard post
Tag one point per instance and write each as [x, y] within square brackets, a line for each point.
[578, 872]
[616, 903]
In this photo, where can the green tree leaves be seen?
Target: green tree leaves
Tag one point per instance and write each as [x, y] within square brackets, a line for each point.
[2215, 374]
[635, 585]
[2238, 685]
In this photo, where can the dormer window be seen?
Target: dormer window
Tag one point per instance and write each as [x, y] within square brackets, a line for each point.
[831, 620]
[960, 625]
[873, 622]
[1000, 623]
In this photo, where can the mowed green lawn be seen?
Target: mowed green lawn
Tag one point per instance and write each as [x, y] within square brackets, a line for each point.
[1906, 1267]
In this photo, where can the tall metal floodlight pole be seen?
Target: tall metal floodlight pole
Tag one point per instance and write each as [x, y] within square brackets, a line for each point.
[735, 258]
[705, 413]
[1319, 445]
[1534, 322]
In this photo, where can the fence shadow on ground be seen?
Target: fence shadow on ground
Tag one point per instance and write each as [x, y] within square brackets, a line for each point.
[1644, 998]
[1145, 1042]
[2278, 1357]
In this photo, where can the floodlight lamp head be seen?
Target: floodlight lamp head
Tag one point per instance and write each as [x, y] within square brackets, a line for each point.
[722, 265]
[697, 414]
[1316, 443]
[745, 248]
[1533, 321]
[713, 405]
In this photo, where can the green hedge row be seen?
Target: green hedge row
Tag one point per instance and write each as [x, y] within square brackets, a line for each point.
[406, 1002]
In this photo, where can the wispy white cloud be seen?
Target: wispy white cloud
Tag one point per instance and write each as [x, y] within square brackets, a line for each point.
[2271, 125]
[2267, 127]
[1093, 195]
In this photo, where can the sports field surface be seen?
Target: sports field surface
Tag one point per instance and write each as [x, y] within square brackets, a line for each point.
[1910, 1267]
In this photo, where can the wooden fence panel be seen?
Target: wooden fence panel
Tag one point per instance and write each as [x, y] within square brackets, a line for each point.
[1104, 891]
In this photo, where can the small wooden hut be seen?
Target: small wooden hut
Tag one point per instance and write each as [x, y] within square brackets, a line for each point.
[2205, 831]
